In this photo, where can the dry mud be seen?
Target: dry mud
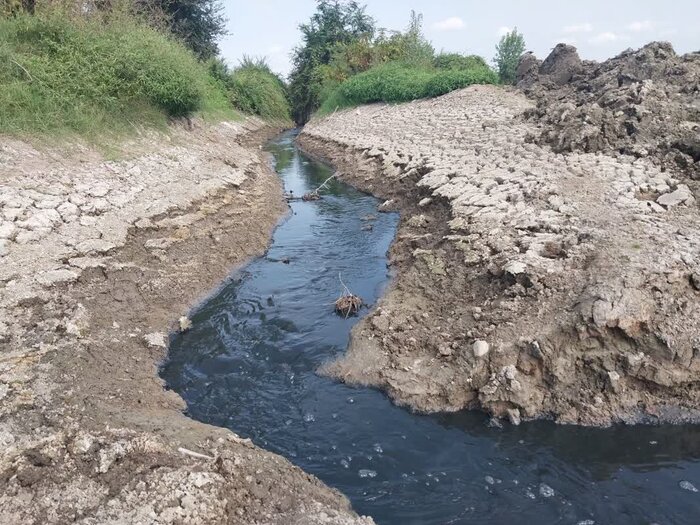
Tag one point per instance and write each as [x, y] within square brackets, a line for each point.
[98, 260]
[530, 283]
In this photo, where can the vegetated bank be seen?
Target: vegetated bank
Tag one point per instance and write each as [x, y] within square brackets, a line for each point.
[345, 60]
[98, 259]
[111, 72]
[530, 282]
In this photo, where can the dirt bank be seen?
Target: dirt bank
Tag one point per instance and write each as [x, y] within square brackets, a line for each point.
[644, 103]
[98, 261]
[530, 283]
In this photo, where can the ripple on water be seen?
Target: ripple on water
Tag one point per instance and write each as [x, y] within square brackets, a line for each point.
[248, 363]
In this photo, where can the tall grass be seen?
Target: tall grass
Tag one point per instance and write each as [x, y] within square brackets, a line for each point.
[89, 75]
[400, 82]
[254, 88]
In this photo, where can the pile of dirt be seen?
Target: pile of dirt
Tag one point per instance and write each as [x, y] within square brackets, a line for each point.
[644, 103]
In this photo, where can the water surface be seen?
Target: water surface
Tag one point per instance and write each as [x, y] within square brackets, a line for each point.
[248, 364]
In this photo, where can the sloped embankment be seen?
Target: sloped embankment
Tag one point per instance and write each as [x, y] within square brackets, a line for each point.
[97, 260]
[530, 283]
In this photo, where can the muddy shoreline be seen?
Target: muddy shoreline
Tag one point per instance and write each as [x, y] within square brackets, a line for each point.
[89, 432]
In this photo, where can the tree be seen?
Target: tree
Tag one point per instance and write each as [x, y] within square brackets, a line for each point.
[508, 53]
[198, 23]
[335, 22]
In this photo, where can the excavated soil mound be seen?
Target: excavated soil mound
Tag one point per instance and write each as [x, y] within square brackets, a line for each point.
[644, 103]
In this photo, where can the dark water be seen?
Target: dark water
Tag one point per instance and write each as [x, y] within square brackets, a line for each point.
[249, 361]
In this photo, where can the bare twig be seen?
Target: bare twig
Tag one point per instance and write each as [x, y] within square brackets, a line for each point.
[31, 79]
[348, 303]
[325, 182]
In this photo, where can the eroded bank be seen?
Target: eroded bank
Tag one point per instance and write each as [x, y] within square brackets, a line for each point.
[531, 284]
[100, 259]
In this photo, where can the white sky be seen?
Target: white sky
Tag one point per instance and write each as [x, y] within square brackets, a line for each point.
[598, 28]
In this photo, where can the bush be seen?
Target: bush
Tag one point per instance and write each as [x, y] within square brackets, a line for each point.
[445, 81]
[85, 75]
[255, 89]
[400, 82]
[457, 61]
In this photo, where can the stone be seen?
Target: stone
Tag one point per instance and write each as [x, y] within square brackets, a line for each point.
[515, 268]
[185, 323]
[513, 416]
[480, 348]
[54, 277]
[8, 230]
[156, 340]
[424, 202]
[4, 247]
[682, 195]
[69, 211]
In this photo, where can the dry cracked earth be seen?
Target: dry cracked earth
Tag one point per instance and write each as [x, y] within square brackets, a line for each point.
[530, 284]
[538, 274]
[98, 260]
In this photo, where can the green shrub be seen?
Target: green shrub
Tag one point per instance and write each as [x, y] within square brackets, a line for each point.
[400, 82]
[255, 89]
[445, 81]
[457, 61]
[87, 75]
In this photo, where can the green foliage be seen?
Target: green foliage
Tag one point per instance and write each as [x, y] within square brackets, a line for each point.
[401, 82]
[198, 23]
[457, 61]
[93, 74]
[508, 53]
[335, 23]
[254, 88]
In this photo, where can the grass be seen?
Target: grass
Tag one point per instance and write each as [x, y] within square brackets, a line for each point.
[87, 76]
[255, 89]
[397, 82]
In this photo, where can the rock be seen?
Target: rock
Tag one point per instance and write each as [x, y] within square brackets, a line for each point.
[445, 350]
[545, 490]
[156, 340]
[184, 323]
[387, 205]
[54, 277]
[515, 268]
[561, 64]
[480, 348]
[418, 221]
[687, 485]
[424, 202]
[682, 195]
[7, 230]
[4, 247]
[42, 220]
[513, 416]
[93, 246]
[68, 211]
[160, 244]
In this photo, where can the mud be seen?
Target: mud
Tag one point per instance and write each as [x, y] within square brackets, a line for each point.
[88, 295]
[530, 283]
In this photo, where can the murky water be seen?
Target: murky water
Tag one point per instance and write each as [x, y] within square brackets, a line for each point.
[249, 361]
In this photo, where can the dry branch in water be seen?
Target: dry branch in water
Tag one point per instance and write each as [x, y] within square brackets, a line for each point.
[314, 195]
[348, 303]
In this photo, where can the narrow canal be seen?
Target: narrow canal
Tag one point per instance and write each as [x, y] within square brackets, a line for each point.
[249, 364]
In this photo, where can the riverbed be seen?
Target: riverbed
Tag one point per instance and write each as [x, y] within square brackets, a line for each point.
[249, 363]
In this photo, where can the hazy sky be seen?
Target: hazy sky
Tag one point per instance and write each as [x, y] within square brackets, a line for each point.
[598, 28]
